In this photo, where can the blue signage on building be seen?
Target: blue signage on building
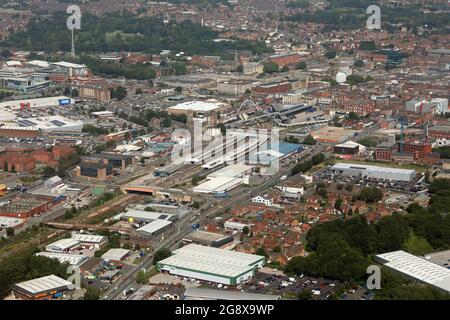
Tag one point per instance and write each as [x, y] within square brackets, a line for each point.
[64, 102]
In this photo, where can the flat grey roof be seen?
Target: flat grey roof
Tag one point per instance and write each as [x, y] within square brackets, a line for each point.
[214, 294]
[43, 284]
[212, 260]
[417, 268]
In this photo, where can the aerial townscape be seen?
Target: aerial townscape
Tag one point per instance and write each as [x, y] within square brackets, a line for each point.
[224, 150]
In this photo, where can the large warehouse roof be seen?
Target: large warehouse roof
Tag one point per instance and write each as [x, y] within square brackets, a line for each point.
[417, 268]
[147, 215]
[212, 260]
[63, 244]
[115, 254]
[36, 102]
[232, 171]
[198, 106]
[7, 222]
[44, 284]
[219, 184]
[154, 226]
[340, 165]
[193, 293]
[90, 238]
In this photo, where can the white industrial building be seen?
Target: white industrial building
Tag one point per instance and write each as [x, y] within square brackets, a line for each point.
[90, 239]
[116, 254]
[153, 228]
[134, 215]
[237, 170]
[47, 123]
[235, 226]
[36, 103]
[212, 264]
[7, 222]
[63, 245]
[197, 106]
[7, 115]
[71, 259]
[218, 185]
[375, 172]
[42, 288]
[195, 293]
[224, 179]
[262, 200]
[416, 268]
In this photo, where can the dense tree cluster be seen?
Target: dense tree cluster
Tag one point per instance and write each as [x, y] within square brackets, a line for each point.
[351, 14]
[308, 164]
[342, 249]
[161, 254]
[26, 266]
[125, 32]
[371, 194]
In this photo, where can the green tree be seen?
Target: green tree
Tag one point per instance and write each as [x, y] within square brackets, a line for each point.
[5, 54]
[223, 128]
[330, 54]
[166, 123]
[91, 294]
[359, 63]
[246, 230]
[277, 249]
[338, 204]
[161, 254]
[300, 65]
[270, 67]
[370, 194]
[49, 171]
[261, 252]
[309, 140]
[24, 265]
[143, 277]
[13, 168]
[317, 158]
[416, 245]
[10, 232]
[305, 294]
[353, 115]
[118, 93]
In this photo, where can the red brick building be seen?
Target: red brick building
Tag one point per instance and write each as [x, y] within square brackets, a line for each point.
[439, 132]
[385, 150]
[17, 162]
[360, 107]
[273, 88]
[42, 156]
[286, 59]
[61, 151]
[93, 92]
[25, 206]
[206, 61]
